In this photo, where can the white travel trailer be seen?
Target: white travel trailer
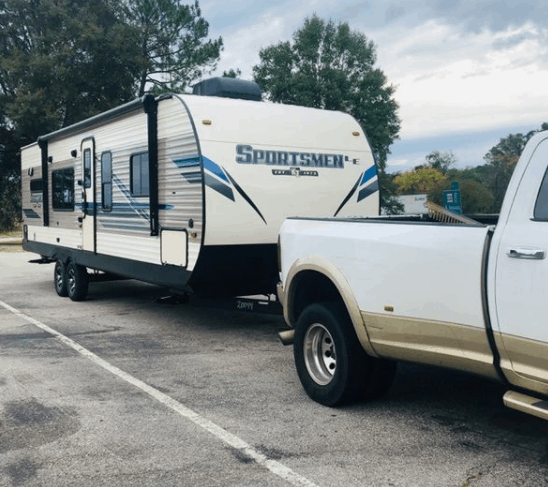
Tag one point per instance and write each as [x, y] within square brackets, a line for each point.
[188, 191]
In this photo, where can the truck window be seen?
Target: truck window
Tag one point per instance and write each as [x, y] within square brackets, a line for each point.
[106, 181]
[541, 206]
[63, 189]
[139, 174]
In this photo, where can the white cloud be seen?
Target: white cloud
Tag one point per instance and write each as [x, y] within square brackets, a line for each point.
[449, 81]
[458, 67]
[243, 45]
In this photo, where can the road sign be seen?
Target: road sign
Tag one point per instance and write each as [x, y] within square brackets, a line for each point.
[452, 198]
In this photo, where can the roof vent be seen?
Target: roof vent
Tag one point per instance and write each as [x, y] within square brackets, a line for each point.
[228, 88]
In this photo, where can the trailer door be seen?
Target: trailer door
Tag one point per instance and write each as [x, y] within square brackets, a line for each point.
[88, 194]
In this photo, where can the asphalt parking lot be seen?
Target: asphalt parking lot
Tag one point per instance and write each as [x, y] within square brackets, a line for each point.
[124, 390]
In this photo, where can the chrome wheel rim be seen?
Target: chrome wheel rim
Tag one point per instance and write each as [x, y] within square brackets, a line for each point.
[319, 354]
[71, 280]
[59, 277]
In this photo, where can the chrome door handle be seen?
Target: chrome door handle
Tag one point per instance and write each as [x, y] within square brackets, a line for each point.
[532, 254]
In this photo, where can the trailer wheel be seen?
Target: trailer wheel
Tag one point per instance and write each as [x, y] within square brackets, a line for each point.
[77, 281]
[332, 365]
[60, 278]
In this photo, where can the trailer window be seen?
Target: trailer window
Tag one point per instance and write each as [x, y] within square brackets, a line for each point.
[63, 189]
[139, 174]
[106, 181]
[36, 188]
[87, 168]
[36, 185]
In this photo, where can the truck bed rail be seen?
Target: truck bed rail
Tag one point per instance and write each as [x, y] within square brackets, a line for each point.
[444, 215]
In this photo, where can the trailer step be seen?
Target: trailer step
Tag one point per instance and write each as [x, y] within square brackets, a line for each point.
[526, 404]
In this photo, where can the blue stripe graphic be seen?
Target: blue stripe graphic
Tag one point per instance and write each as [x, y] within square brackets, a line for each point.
[369, 174]
[120, 207]
[216, 178]
[218, 186]
[188, 162]
[210, 166]
[368, 190]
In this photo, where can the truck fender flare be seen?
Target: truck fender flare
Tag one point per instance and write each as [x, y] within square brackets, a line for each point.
[323, 266]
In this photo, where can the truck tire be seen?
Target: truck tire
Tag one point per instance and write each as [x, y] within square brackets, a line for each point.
[332, 365]
[60, 278]
[77, 281]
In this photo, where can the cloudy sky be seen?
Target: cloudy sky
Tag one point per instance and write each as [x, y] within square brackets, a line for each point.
[467, 73]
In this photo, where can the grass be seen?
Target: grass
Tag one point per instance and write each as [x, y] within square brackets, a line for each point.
[16, 233]
[10, 247]
[12, 234]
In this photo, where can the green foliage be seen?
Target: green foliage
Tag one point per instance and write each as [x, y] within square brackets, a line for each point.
[389, 190]
[476, 198]
[501, 162]
[174, 51]
[329, 66]
[232, 74]
[442, 161]
[61, 61]
[420, 180]
[482, 187]
[10, 203]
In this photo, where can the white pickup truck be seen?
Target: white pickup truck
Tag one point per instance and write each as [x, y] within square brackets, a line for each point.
[363, 293]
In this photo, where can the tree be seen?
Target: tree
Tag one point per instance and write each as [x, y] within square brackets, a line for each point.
[420, 180]
[10, 203]
[173, 46]
[475, 197]
[232, 74]
[331, 67]
[501, 161]
[60, 61]
[437, 175]
[10, 190]
[442, 161]
[63, 60]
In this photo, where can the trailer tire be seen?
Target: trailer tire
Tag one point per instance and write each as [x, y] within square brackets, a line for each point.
[332, 365]
[77, 281]
[60, 278]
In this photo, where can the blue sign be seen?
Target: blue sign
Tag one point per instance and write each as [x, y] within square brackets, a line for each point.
[452, 199]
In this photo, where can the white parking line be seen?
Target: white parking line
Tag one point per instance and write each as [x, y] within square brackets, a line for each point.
[232, 440]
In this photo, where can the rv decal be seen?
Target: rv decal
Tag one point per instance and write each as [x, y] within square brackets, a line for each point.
[366, 188]
[247, 198]
[218, 179]
[246, 154]
[127, 215]
[294, 171]
[192, 170]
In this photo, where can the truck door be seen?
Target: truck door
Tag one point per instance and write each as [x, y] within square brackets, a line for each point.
[88, 194]
[521, 278]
